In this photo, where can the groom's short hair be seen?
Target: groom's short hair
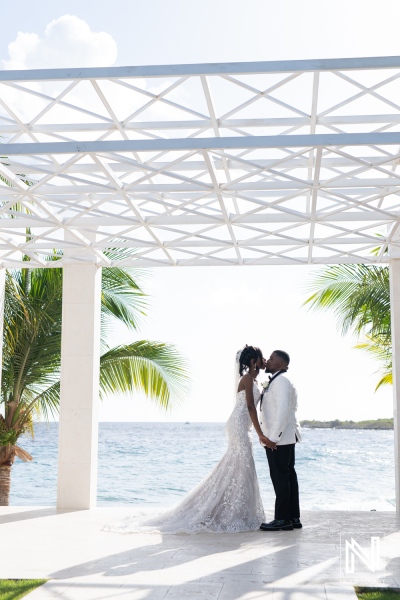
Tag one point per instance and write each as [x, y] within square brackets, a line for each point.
[283, 356]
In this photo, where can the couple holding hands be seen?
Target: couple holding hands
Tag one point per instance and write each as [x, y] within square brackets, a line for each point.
[278, 429]
[228, 500]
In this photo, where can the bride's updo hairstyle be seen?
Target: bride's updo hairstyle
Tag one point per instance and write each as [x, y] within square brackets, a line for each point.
[248, 353]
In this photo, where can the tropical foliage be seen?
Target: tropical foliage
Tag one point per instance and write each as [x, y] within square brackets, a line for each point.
[359, 297]
[32, 354]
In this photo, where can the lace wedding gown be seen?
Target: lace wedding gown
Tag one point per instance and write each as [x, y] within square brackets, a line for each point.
[227, 500]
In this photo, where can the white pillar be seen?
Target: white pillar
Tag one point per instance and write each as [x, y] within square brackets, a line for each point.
[80, 362]
[2, 292]
[394, 270]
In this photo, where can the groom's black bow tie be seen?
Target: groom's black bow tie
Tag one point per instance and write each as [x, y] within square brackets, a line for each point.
[271, 377]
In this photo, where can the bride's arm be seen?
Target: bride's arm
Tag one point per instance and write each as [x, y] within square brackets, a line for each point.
[248, 386]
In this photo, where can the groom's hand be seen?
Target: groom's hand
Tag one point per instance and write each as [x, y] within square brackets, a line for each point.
[267, 442]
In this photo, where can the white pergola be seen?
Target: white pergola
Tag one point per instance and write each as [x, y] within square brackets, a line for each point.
[264, 163]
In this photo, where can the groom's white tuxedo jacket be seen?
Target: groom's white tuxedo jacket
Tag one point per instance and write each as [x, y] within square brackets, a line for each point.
[278, 412]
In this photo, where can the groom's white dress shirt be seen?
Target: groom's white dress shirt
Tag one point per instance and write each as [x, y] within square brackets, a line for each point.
[278, 412]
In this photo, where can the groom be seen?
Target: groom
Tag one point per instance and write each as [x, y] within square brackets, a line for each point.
[278, 422]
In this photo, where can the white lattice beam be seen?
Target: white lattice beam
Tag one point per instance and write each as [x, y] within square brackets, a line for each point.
[175, 162]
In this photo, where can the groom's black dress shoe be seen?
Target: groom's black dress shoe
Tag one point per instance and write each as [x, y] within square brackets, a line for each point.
[277, 525]
[296, 524]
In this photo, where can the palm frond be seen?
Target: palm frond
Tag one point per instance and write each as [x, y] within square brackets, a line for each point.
[32, 346]
[357, 294]
[381, 350]
[385, 380]
[22, 454]
[122, 298]
[153, 368]
[48, 400]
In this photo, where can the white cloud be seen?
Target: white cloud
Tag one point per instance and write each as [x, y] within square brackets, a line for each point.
[67, 42]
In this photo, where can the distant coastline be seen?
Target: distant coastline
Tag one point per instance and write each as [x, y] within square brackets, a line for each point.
[377, 424]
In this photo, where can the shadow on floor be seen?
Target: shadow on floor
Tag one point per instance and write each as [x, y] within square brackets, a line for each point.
[35, 513]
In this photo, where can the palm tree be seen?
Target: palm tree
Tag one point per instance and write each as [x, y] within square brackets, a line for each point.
[359, 296]
[32, 354]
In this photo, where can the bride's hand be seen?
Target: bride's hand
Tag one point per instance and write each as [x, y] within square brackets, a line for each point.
[267, 442]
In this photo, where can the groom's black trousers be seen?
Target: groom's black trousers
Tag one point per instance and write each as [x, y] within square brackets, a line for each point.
[284, 480]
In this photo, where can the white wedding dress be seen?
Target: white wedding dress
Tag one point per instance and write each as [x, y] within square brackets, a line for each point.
[227, 501]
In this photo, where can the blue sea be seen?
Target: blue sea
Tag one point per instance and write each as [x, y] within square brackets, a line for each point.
[155, 464]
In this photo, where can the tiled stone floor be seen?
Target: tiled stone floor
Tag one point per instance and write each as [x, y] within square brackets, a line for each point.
[84, 563]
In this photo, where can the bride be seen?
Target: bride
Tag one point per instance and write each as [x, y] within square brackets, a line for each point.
[228, 499]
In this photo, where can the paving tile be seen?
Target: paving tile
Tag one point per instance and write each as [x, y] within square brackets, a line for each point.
[141, 580]
[75, 550]
[99, 591]
[44, 591]
[278, 569]
[383, 582]
[316, 592]
[147, 566]
[202, 591]
[98, 588]
[245, 591]
[340, 592]
[130, 592]
[233, 578]
[43, 594]
[318, 572]
[243, 569]
[50, 589]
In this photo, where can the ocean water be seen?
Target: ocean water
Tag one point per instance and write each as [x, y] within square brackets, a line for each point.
[155, 464]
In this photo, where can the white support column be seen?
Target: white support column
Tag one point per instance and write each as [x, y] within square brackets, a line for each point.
[2, 292]
[394, 270]
[80, 363]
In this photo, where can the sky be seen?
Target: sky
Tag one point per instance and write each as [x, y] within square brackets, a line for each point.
[209, 313]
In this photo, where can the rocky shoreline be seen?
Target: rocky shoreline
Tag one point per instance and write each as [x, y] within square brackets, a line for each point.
[336, 424]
